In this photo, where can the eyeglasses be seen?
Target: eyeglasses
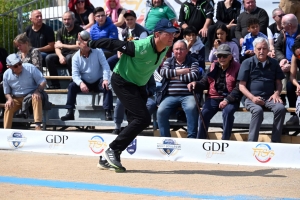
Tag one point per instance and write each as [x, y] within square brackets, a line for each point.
[280, 15]
[222, 55]
[80, 2]
[98, 16]
[17, 65]
[169, 34]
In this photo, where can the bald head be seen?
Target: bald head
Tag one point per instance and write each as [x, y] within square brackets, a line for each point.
[290, 19]
[36, 18]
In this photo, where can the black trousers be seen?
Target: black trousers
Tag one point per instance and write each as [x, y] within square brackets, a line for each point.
[134, 99]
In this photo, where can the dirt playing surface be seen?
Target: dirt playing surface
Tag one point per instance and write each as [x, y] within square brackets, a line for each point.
[194, 178]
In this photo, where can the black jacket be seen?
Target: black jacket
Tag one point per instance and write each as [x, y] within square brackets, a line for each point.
[225, 15]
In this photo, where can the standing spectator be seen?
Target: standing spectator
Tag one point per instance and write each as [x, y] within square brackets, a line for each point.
[26, 52]
[157, 10]
[3, 68]
[260, 81]
[197, 13]
[90, 73]
[66, 44]
[177, 72]
[41, 35]
[251, 11]
[284, 53]
[223, 92]
[290, 7]
[222, 36]
[83, 10]
[116, 13]
[20, 80]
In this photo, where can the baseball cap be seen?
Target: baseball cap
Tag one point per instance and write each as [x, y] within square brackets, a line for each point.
[130, 13]
[223, 49]
[165, 25]
[12, 59]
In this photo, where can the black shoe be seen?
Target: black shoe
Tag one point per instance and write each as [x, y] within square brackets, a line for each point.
[108, 115]
[104, 165]
[68, 116]
[116, 131]
[113, 158]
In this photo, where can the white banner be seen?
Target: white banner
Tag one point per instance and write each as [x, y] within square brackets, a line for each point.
[175, 149]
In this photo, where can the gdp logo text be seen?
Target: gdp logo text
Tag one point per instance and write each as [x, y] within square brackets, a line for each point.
[263, 153]
[16, 140]
[169, 147]
[97, 144]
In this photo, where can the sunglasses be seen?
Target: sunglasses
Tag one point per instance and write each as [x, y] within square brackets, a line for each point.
[280, 15]
[222, 55]
[17, 65]
[80, 2]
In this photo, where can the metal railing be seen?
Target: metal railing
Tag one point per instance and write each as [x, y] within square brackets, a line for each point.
[16, 20]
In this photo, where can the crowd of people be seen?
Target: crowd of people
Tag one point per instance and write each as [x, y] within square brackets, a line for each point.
[163, 59]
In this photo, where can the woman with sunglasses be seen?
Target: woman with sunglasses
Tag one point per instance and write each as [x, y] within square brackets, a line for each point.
[223, 92]
[26, 52]
[83, 10]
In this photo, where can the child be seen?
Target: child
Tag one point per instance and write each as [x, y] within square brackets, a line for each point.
[253, 29]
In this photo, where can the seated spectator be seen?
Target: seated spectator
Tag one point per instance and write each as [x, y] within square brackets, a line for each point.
[260, 81]
[195, 46]
[66, 44]
[116, 13]
[19, 81]
[222, 36]
[83, 10]
[26, 52]
[247, 46]
[90, 73]
[283, 53]
[3, 68]
[177, 72]
[251, 11]
[156, 10]
[223, 92]
[120, 110]
[41, 35]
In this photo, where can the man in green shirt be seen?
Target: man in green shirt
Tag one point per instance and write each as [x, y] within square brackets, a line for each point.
[139, 60]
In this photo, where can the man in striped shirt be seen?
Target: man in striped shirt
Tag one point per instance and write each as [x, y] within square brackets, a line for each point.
[177, 72]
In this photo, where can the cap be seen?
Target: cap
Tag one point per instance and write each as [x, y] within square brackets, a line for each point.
[12, 59]
[130, 13]
[165, 25]
[223, 49]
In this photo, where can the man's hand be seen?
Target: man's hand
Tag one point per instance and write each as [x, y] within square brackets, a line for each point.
[183, 71]
[203, 32]
[62, 60]
[9, 104]
[58, 45]
[191, 86]
[249, 52]
[241, 42]
[84, 88]
[276, 98]
[258, 100]
[36, 95]
[105, 84]
[223, 104]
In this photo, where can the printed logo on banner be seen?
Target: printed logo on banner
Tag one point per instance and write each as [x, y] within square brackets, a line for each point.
[263, 153]
[16, 140]
[168, 147]
[214, 148]
[56, 140]
[131, 149]
[97, 144]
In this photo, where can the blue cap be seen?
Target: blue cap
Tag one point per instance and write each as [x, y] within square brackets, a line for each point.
[12, 59]
[165, 25]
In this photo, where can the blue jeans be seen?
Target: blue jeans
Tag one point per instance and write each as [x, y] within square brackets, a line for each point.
[120, 110]
[210, 108]
[169, 105]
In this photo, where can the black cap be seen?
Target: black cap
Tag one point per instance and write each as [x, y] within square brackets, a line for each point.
[130, 13]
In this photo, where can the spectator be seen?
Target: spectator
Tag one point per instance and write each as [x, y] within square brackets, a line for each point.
[177, 72]
[295, 64]
[276, 27]
[253, 29]
[18, 82]
[194, 45]
[226, 12]
[197, 13]
[157, 10]
[83, 10]
[66, 44]
[260, 81]
[116, 13]
[26, 52]
[223, 92]
[3, 68]
[283, 53]
[90, 73]
[120, 110]
[290, 7]
[251, 11]
[222, 36]
[41, 35]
